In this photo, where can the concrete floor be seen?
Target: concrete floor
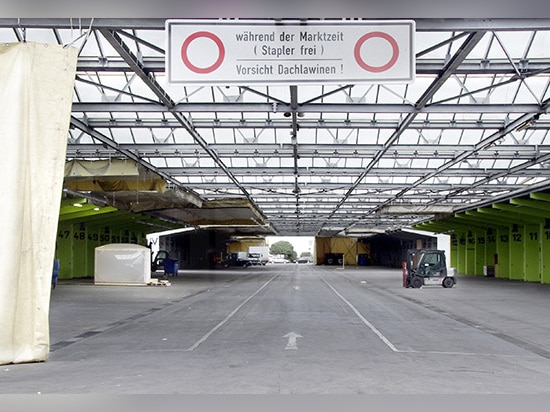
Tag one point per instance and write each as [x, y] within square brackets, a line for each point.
[293, 329]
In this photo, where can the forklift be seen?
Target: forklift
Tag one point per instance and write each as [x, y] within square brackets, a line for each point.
[427, 267]
[158, 261]
[237, 259]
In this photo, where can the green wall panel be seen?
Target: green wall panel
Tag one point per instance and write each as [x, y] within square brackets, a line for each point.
[480, 259]
[76, 243]
[64, 250]
[454, 251]
[517, 234]
[470, 253]
[461, 266]
[532, 252]
[490, 247]
[79, 255]
[92, 241]
[503, 252]
[517, 254]
[545, 246]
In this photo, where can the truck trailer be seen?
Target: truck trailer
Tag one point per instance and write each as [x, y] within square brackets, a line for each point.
[258, 255]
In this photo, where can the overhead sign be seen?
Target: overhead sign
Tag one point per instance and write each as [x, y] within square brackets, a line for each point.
[267, 52]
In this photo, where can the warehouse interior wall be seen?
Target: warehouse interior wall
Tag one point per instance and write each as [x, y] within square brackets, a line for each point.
[192, 249]
[36, 90]
[515, 252]
[76, 243]
[378, 250]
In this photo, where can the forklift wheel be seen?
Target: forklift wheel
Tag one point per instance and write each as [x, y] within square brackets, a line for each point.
[417, 282]
[448, 283]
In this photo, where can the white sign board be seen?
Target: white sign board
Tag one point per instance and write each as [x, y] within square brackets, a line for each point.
[222, 52]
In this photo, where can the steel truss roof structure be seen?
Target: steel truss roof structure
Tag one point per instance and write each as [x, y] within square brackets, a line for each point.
[470, 131]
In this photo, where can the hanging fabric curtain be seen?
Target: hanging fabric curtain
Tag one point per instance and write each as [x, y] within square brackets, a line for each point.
[36, 89]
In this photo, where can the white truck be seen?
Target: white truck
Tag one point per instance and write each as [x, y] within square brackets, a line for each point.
[258, 255]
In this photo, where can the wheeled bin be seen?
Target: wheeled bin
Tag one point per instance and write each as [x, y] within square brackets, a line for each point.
[55, 273]
[171, 267]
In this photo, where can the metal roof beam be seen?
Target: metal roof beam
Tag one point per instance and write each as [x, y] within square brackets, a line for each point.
[520, 191]
[486, 218]
[162, 123]
[532, 204]
[500, 158]
[433, 226]
[524, 211]
[118, 44]
[468, 45]
[349, 172]
[467, 222]
[243, 107]
[518, 170]
[327, 190]
[158, 23]
[544, 197]
[499, 212]
[487, 143]
[352, 151]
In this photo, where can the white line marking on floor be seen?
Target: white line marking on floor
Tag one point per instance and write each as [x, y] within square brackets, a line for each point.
[363, 319]
[219, 325]
[496, 355]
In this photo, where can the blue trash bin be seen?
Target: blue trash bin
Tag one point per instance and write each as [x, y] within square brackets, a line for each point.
[55, 273]
[363, 259]
[170, 267]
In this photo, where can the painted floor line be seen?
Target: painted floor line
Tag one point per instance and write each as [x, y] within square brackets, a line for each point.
[498, 355]
[223, 322]
[364, 320]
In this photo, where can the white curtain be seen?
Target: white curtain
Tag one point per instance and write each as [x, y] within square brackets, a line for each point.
[36, 89]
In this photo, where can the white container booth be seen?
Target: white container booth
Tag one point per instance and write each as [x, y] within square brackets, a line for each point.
[122, 264]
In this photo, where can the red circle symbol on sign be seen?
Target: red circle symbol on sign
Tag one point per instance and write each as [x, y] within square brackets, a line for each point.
[197, 35]
[381, 35]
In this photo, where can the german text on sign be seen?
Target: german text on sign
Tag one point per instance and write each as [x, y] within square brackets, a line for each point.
[268, 52]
